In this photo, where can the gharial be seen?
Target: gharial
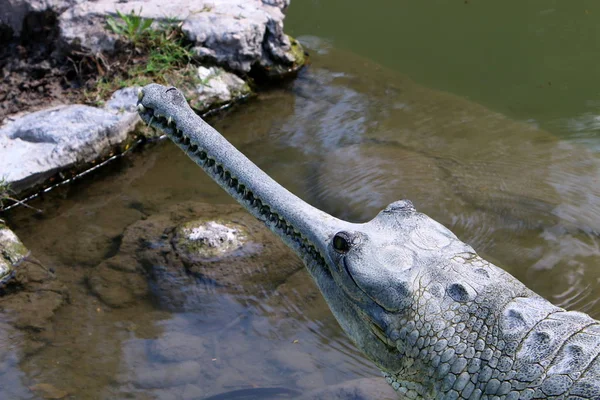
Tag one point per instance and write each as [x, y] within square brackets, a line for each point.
[441, 322]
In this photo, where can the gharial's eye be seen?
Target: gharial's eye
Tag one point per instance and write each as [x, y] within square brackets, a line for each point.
[341, 242]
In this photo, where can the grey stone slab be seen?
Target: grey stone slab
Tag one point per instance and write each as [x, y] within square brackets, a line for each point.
[40, 144]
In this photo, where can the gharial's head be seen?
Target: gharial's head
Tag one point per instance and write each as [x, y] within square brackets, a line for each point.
[372, 275]
[379, 275]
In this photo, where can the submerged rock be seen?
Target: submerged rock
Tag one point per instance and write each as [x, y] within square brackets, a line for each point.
[48, 391]
[228, 248]
[115, 286]
[177, 347]
[32, 298]
[30, 293]
[180, 259]
[168, 375]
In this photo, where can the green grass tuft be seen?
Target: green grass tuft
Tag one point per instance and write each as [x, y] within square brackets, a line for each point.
[149, 51]
[130, 26]
[4, 192]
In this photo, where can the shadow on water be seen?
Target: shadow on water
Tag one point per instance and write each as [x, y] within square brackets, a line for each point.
[348, 136]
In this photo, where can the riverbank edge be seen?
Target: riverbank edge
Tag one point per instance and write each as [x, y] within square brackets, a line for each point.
[54, 144]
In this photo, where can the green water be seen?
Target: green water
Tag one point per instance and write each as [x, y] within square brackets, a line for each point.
[528, 59]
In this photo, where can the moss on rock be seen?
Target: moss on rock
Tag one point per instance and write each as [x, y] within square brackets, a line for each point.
[298, 53]
[280, 71]
[12, 252]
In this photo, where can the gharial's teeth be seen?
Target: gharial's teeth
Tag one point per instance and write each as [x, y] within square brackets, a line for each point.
[140, 94]
[157, 114]
[141, 108]
[169, 120]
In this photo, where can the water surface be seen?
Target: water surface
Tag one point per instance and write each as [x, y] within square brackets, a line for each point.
[353, 133]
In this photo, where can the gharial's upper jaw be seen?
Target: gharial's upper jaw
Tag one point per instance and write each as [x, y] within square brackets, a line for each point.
[161, 102]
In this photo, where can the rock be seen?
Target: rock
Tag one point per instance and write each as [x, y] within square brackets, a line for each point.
[249, 259]
[282, 4]
[181, 260]
[11, 247]
[238, 34]
[209, 239]
[48, 391]
[209, 88]
[358, 389]
[32, 309]
[14, 12]
[218, 87]
[116, 286]
[177, 347]
[123, 100]
[31, 296]
[12, 252]
[40, 144]
[167, 375]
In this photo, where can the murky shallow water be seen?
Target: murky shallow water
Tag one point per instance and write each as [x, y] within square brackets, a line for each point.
[350, 137]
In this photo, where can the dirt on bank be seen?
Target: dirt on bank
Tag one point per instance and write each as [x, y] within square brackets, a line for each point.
[38, 72]
[33, 76]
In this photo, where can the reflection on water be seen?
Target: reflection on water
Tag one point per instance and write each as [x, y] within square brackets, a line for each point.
[350, 137]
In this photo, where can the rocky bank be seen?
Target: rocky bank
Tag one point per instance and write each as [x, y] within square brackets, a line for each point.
[233, 42]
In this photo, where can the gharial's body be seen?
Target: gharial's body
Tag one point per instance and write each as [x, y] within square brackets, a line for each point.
[440, 321]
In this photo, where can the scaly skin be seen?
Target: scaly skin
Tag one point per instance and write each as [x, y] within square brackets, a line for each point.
[441, 322]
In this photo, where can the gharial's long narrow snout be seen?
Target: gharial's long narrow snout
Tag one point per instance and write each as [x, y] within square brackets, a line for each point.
[304, 228]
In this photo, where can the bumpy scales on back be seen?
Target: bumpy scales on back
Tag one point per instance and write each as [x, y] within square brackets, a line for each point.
[441, 322]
